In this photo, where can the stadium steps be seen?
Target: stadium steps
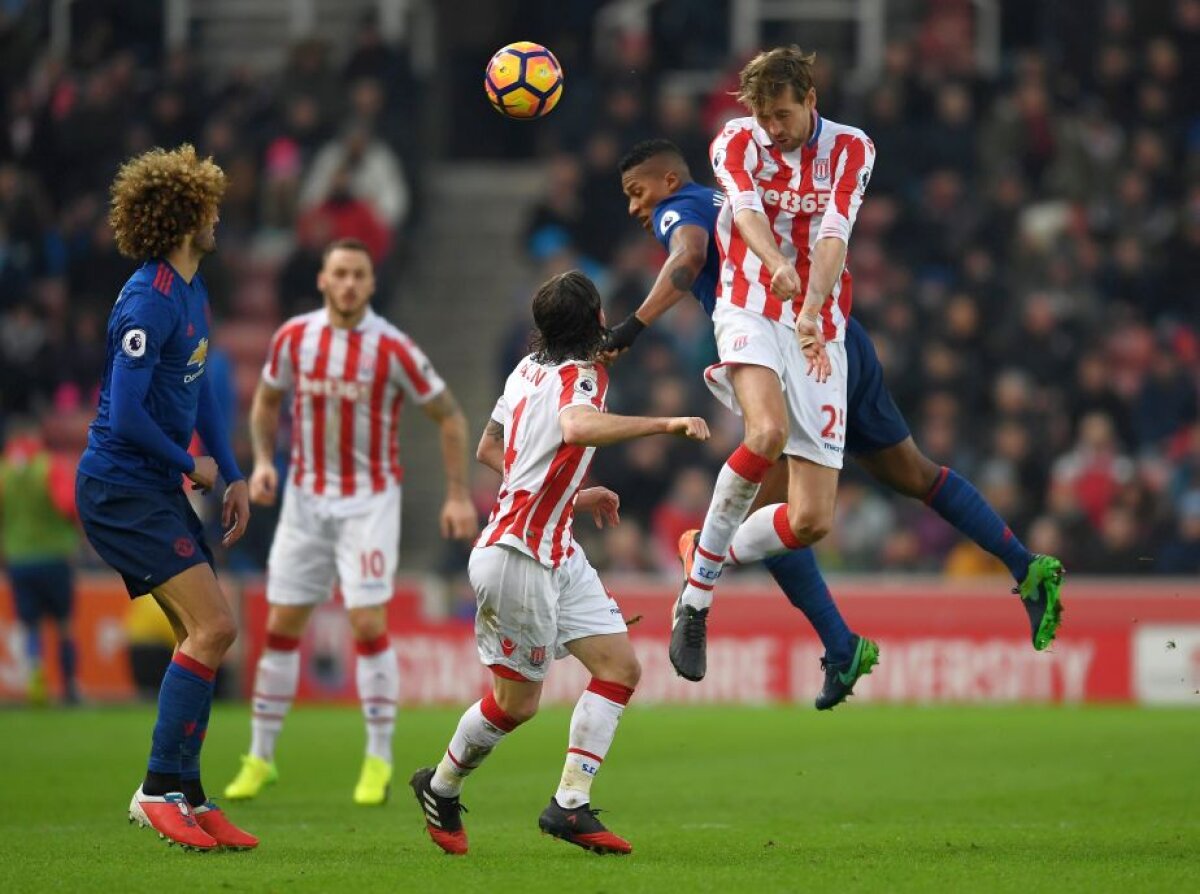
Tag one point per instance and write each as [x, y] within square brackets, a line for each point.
[233, 33]
[457, 299]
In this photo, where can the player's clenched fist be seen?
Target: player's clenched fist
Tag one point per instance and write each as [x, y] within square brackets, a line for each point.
[689, 427]
[264, 485]
[785, 282]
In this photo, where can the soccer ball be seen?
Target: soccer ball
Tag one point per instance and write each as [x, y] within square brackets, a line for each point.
[523, 80]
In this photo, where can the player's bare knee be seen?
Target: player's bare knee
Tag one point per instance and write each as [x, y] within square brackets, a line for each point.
[217, 634]
[767, 439]
[924, 474]
[628, 672]
[906, 470]
[367, 624]
[520, 706]
[809, 525]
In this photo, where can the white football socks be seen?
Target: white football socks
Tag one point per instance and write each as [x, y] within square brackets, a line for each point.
[378, 679]
[275, 682]
[593, 725]
[736, 487]
[480, 729]
[765, 533]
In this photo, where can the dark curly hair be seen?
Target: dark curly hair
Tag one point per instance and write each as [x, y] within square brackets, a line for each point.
[566, 312]
[162, 196]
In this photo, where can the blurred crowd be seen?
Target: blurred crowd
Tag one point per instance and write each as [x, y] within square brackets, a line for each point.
[1027, 261]
[317, 152]
[314, 153]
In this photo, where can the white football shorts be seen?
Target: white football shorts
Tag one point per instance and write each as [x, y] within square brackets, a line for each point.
[816, 410]
[527, 613]
[314, 547]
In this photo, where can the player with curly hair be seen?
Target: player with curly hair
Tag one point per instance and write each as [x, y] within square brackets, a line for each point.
[153, 395]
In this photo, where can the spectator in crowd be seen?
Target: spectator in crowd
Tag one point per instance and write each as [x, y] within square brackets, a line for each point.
[39, 539]
[361, 167]
[1181, 554]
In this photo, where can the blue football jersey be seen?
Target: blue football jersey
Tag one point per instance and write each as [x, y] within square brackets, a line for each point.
[695, 205]
[159, 322]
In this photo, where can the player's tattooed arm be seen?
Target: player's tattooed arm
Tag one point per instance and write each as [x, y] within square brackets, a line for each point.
[264, 422]
[689, 250]
[458, 519]
[490, 451]
[452, 425]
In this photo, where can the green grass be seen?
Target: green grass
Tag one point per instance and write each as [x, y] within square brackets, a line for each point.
[713, 799]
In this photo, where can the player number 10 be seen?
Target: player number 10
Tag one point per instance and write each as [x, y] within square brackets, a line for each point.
[372, 563]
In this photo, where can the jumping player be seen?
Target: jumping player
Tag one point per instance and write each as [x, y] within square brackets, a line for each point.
[153, 395]
[349, 371]
[538, 597]
[683, 216]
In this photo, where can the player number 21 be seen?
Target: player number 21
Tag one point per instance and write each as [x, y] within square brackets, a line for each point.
[835, 422]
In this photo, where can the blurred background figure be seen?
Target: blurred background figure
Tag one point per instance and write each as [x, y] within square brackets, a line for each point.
[39, 537]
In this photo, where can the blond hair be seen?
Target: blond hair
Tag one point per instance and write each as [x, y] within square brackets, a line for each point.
[162, 196]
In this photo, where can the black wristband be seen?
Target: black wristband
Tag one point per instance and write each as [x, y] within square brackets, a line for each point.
[622, 335]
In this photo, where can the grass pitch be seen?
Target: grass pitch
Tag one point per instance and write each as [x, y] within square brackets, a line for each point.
[713, 799]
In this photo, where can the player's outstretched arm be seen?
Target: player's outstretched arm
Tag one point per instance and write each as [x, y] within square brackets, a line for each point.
[588, 427]
[264, 426]
[459, 519]
[689, 251]
[490, 451]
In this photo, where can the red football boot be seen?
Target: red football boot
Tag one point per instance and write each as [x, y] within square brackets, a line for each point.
[212, 819]
[581, 827]
[443, 816]
[170, 816]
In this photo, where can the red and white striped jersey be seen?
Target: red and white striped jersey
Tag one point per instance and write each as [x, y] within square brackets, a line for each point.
[807, 194]
[542, 475]
[348, 386]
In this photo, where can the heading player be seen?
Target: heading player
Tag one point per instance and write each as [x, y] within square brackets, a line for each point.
[349, 371]
[682, 215]
[538, 597]
[153, 395]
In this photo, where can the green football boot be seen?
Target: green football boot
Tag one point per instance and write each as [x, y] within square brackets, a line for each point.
[840, 678]
[1040, 593]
